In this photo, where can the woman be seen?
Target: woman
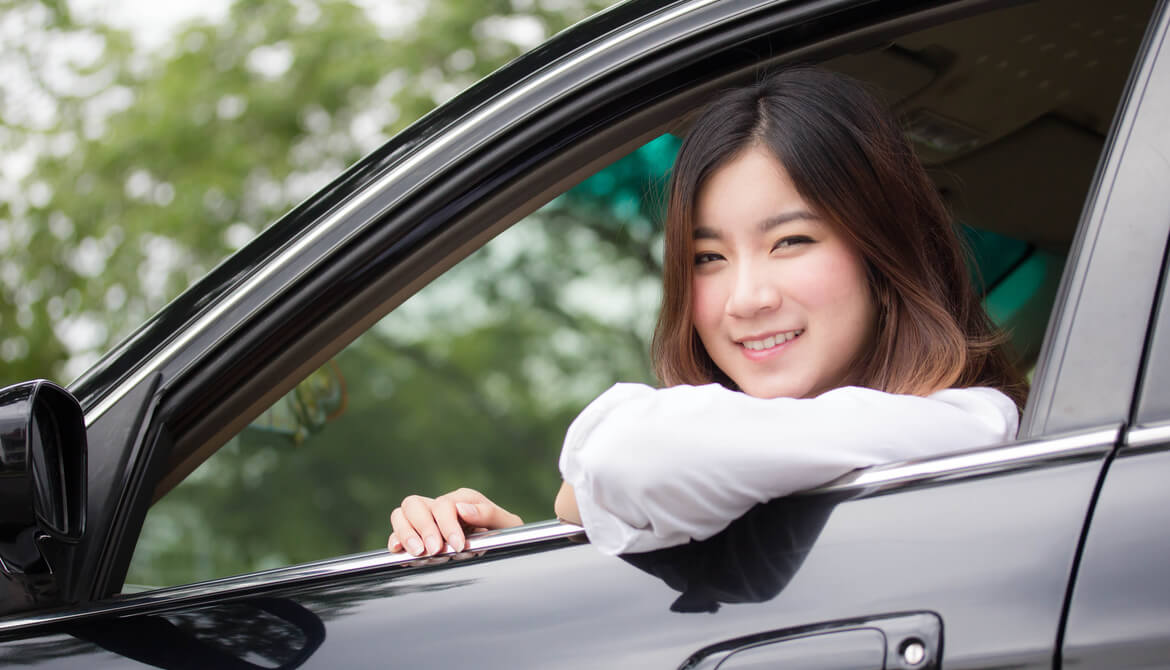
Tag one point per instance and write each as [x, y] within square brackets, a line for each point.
[817, 318]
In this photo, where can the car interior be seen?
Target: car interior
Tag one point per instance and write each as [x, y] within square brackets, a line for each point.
[1011, 130]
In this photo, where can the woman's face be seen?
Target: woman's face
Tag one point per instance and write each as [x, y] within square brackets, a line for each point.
[781, 300]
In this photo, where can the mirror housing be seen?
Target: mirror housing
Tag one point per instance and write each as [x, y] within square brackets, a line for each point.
[42, 490]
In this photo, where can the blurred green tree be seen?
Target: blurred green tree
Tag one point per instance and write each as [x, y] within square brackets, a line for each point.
[151, 168]
[131, 174]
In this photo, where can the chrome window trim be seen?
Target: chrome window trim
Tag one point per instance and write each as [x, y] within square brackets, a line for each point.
[994, 460]
[178, 595]
[461, 128]
[1014, 456]
[1148, 436]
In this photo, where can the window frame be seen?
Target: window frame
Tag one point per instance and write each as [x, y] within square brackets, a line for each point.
[1113, 270]
[192, 407]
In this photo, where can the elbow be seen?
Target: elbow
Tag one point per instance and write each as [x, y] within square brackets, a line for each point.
[622, 463]
[566, 505]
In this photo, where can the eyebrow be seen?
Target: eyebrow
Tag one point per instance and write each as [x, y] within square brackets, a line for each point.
[707, 233]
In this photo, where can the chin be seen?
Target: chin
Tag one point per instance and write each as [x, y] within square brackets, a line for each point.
[769, 391]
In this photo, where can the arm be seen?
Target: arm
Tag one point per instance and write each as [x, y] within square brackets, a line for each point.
[566, 505]
[653, 468]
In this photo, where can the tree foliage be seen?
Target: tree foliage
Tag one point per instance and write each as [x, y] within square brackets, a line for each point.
[151, 168]
[160, 166]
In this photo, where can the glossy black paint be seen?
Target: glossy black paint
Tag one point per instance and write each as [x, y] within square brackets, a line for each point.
[116, 443]
[1120, 607]
[786, 567]
[252, 633]
[42, 491]
[907, 641]
[992, 557]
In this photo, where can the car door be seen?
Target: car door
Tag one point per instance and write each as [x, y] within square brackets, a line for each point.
[1118, 615]
[966, 558]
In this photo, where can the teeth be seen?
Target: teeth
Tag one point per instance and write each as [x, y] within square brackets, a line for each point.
[769, 342]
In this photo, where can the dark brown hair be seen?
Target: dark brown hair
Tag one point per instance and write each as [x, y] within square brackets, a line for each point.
[848, 160]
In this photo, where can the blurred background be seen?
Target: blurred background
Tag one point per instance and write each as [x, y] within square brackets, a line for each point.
[141, 143]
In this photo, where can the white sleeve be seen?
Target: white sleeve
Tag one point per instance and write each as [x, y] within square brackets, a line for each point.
[653, 468]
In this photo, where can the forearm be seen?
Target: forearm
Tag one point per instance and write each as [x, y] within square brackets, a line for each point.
[654, 468]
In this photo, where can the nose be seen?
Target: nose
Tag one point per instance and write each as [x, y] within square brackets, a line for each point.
[755, 291]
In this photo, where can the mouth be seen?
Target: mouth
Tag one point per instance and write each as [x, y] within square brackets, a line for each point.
[771, 341]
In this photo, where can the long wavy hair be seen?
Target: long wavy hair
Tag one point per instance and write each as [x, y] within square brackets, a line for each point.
[849, 160]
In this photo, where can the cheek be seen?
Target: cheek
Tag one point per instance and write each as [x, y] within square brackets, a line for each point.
[858, 309]
[706, 303]
[838, 284]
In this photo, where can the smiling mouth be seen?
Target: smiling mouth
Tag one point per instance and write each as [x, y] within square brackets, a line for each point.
[771, 340]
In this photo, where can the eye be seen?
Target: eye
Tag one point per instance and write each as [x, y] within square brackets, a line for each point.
[707, 257]
[792, 241]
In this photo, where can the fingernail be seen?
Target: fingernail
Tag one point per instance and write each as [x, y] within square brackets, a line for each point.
[395, 545]
[432, 544]
[456, 543]
[414, 546]
[466, 509]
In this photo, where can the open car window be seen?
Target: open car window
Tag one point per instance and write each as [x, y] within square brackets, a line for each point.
[473, 381]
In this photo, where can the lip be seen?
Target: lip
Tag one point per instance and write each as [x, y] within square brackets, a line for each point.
[763, 354]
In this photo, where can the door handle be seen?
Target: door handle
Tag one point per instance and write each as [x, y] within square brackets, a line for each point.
[910, 641]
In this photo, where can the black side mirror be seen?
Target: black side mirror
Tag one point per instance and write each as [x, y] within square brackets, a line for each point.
[42, 488]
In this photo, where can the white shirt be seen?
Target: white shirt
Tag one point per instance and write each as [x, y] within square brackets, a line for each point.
[653, 468]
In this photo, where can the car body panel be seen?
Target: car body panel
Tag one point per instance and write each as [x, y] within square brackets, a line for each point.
[990, 552]
[1118, 614]
[787, 565]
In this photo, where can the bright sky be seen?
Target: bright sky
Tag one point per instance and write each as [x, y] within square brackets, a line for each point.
[150, 21]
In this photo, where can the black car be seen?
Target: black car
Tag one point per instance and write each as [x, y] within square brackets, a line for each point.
[1045, 125]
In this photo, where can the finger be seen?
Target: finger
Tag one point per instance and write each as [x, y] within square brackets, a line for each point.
[405, 532]
[419, 515]
[464, 501]
[469, 514]
[448, 522]
[487, 515]
[394, 545]
[477, 510]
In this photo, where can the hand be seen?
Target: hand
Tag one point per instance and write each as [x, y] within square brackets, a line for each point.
[421, 524]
